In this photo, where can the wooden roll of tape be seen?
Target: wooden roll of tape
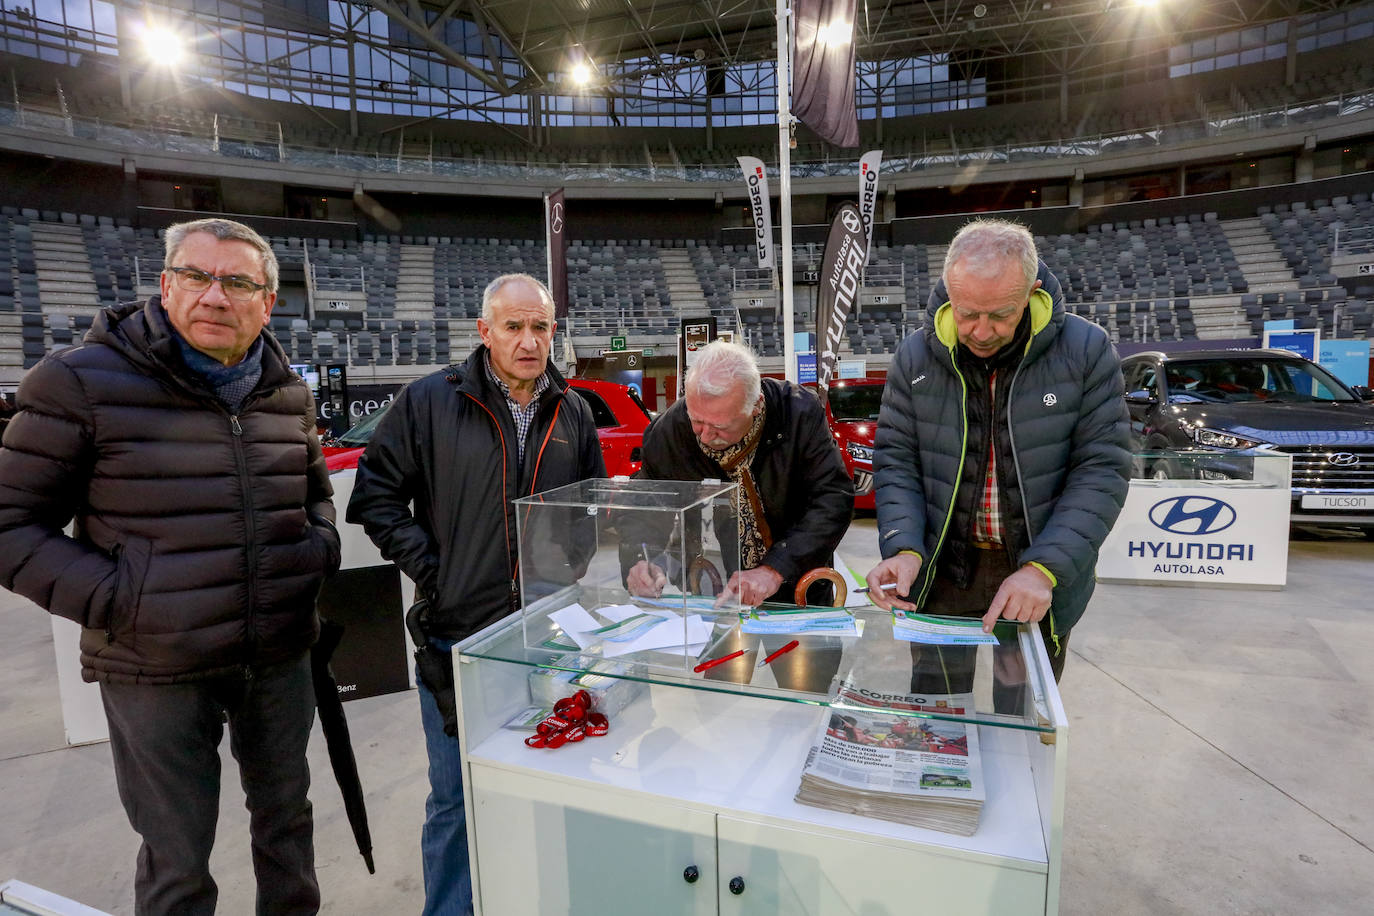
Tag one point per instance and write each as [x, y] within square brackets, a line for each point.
[816, 575]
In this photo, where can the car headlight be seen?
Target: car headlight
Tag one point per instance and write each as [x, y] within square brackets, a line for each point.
[859, 452]
[1220, 438]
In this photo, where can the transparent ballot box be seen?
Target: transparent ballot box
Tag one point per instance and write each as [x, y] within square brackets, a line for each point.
[627, 571]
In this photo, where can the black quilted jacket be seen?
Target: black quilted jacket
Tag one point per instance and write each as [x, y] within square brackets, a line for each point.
[200, 539]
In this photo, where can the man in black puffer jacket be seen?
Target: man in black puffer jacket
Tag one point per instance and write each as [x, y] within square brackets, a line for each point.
[184, 447]
[434, 492]
[1002, 456]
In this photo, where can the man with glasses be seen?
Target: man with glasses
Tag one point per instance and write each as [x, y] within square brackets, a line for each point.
[1002, 455]
[183, 446]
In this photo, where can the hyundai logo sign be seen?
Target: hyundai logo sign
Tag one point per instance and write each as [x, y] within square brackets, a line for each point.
[1343, 459]
[1192, 515]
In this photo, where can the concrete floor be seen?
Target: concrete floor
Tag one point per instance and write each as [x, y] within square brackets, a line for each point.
[1220, 760]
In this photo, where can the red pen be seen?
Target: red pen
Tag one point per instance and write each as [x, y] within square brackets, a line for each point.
[787, 648]
[718, 661]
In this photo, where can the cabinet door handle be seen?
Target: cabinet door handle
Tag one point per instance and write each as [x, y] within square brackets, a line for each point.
[737, 885]
[690, 874]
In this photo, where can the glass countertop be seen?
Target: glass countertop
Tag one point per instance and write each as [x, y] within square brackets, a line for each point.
[876, 670]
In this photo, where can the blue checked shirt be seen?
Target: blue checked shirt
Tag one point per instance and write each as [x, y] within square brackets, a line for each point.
[523, 416]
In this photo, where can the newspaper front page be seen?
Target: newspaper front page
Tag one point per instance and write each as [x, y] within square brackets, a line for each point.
[876, 756]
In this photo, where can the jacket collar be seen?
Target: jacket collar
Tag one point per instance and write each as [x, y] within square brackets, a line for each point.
[471, 378]
[142, 332]
[1046, 310]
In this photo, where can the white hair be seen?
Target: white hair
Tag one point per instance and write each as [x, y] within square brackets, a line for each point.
[722, 366]
[495, 286]
[986, 245]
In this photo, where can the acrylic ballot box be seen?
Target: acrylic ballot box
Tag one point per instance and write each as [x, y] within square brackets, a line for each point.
[578, 545]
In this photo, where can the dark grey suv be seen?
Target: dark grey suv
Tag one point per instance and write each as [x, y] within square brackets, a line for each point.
[1227, 401]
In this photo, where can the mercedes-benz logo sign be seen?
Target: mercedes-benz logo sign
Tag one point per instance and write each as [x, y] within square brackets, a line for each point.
[1192, 515]
[851, 220]
[1343, 459]
[557, 220]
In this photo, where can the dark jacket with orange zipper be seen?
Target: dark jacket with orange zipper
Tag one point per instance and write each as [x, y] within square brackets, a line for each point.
[434, 488]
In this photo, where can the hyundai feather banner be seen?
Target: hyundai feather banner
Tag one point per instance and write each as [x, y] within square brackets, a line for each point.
[869, 164]
[823, 69]
[556, 246]
[760, 210]
[841, 270]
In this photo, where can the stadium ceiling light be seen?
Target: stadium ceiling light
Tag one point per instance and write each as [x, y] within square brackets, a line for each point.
[163, 46]
[581, 73]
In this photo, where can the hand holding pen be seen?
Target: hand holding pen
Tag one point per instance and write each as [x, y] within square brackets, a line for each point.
[892, 577]
[645, 578]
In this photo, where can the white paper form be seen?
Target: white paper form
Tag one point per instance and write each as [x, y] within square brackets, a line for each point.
[577, 623]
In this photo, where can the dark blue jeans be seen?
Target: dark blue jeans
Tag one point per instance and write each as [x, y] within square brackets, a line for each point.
[165, 743]
[444, 838]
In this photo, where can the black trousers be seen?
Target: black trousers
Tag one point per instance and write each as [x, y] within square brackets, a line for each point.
[950, 669]
[165, 742]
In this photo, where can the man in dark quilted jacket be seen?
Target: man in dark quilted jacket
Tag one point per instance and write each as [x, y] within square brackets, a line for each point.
[181, 445]
[1002, 452]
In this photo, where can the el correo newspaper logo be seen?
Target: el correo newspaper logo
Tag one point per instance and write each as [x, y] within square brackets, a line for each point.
[756, 204]
[870, 194]
[1193, 515]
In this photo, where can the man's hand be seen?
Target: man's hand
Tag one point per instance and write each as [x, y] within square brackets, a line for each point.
[1024, 596]
[646, 580]
[753, 586]
[892, 577]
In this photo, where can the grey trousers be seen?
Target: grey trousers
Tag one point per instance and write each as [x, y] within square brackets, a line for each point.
[165, 741]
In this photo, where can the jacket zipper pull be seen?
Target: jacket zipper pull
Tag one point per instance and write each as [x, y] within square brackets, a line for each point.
[234, 425]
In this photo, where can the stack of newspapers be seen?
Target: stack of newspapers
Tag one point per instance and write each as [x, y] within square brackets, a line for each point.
[888, 756]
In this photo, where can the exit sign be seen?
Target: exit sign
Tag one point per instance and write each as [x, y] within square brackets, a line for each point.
[617, 343]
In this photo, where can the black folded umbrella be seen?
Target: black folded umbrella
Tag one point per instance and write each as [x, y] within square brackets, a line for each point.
[335, 728]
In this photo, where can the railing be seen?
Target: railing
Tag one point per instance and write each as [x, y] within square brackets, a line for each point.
[331, 278]
[272, 147]
[751, 279]
[1350, 240]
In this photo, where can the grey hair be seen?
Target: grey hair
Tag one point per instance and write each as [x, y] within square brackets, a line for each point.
[494, 287]
[986, 245]
[722, 365]
[226, 230]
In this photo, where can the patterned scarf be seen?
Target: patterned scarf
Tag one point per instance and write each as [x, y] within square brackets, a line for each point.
[755, 538]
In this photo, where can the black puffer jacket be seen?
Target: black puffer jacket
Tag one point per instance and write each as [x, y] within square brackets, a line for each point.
[447, 446]
[201, 538]
[1064, 457]
[808, 498]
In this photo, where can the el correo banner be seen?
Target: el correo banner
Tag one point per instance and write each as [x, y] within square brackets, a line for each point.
[760, 210]
[845, 254]
[868, 192]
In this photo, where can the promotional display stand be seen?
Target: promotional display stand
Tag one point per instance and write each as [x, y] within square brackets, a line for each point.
[686, 804]
[1202, 518]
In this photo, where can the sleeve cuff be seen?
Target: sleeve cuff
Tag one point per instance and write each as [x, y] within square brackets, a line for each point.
[1054, 583]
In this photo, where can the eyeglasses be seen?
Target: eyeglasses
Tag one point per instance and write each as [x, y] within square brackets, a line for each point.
[237, 289]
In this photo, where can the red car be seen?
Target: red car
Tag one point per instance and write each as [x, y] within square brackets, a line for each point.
[852, 413]
[620, 421]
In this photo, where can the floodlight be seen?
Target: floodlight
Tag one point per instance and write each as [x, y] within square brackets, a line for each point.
[581, 73]
[163, 46]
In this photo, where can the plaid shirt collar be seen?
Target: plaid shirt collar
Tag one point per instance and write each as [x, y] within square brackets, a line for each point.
[522, 415]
